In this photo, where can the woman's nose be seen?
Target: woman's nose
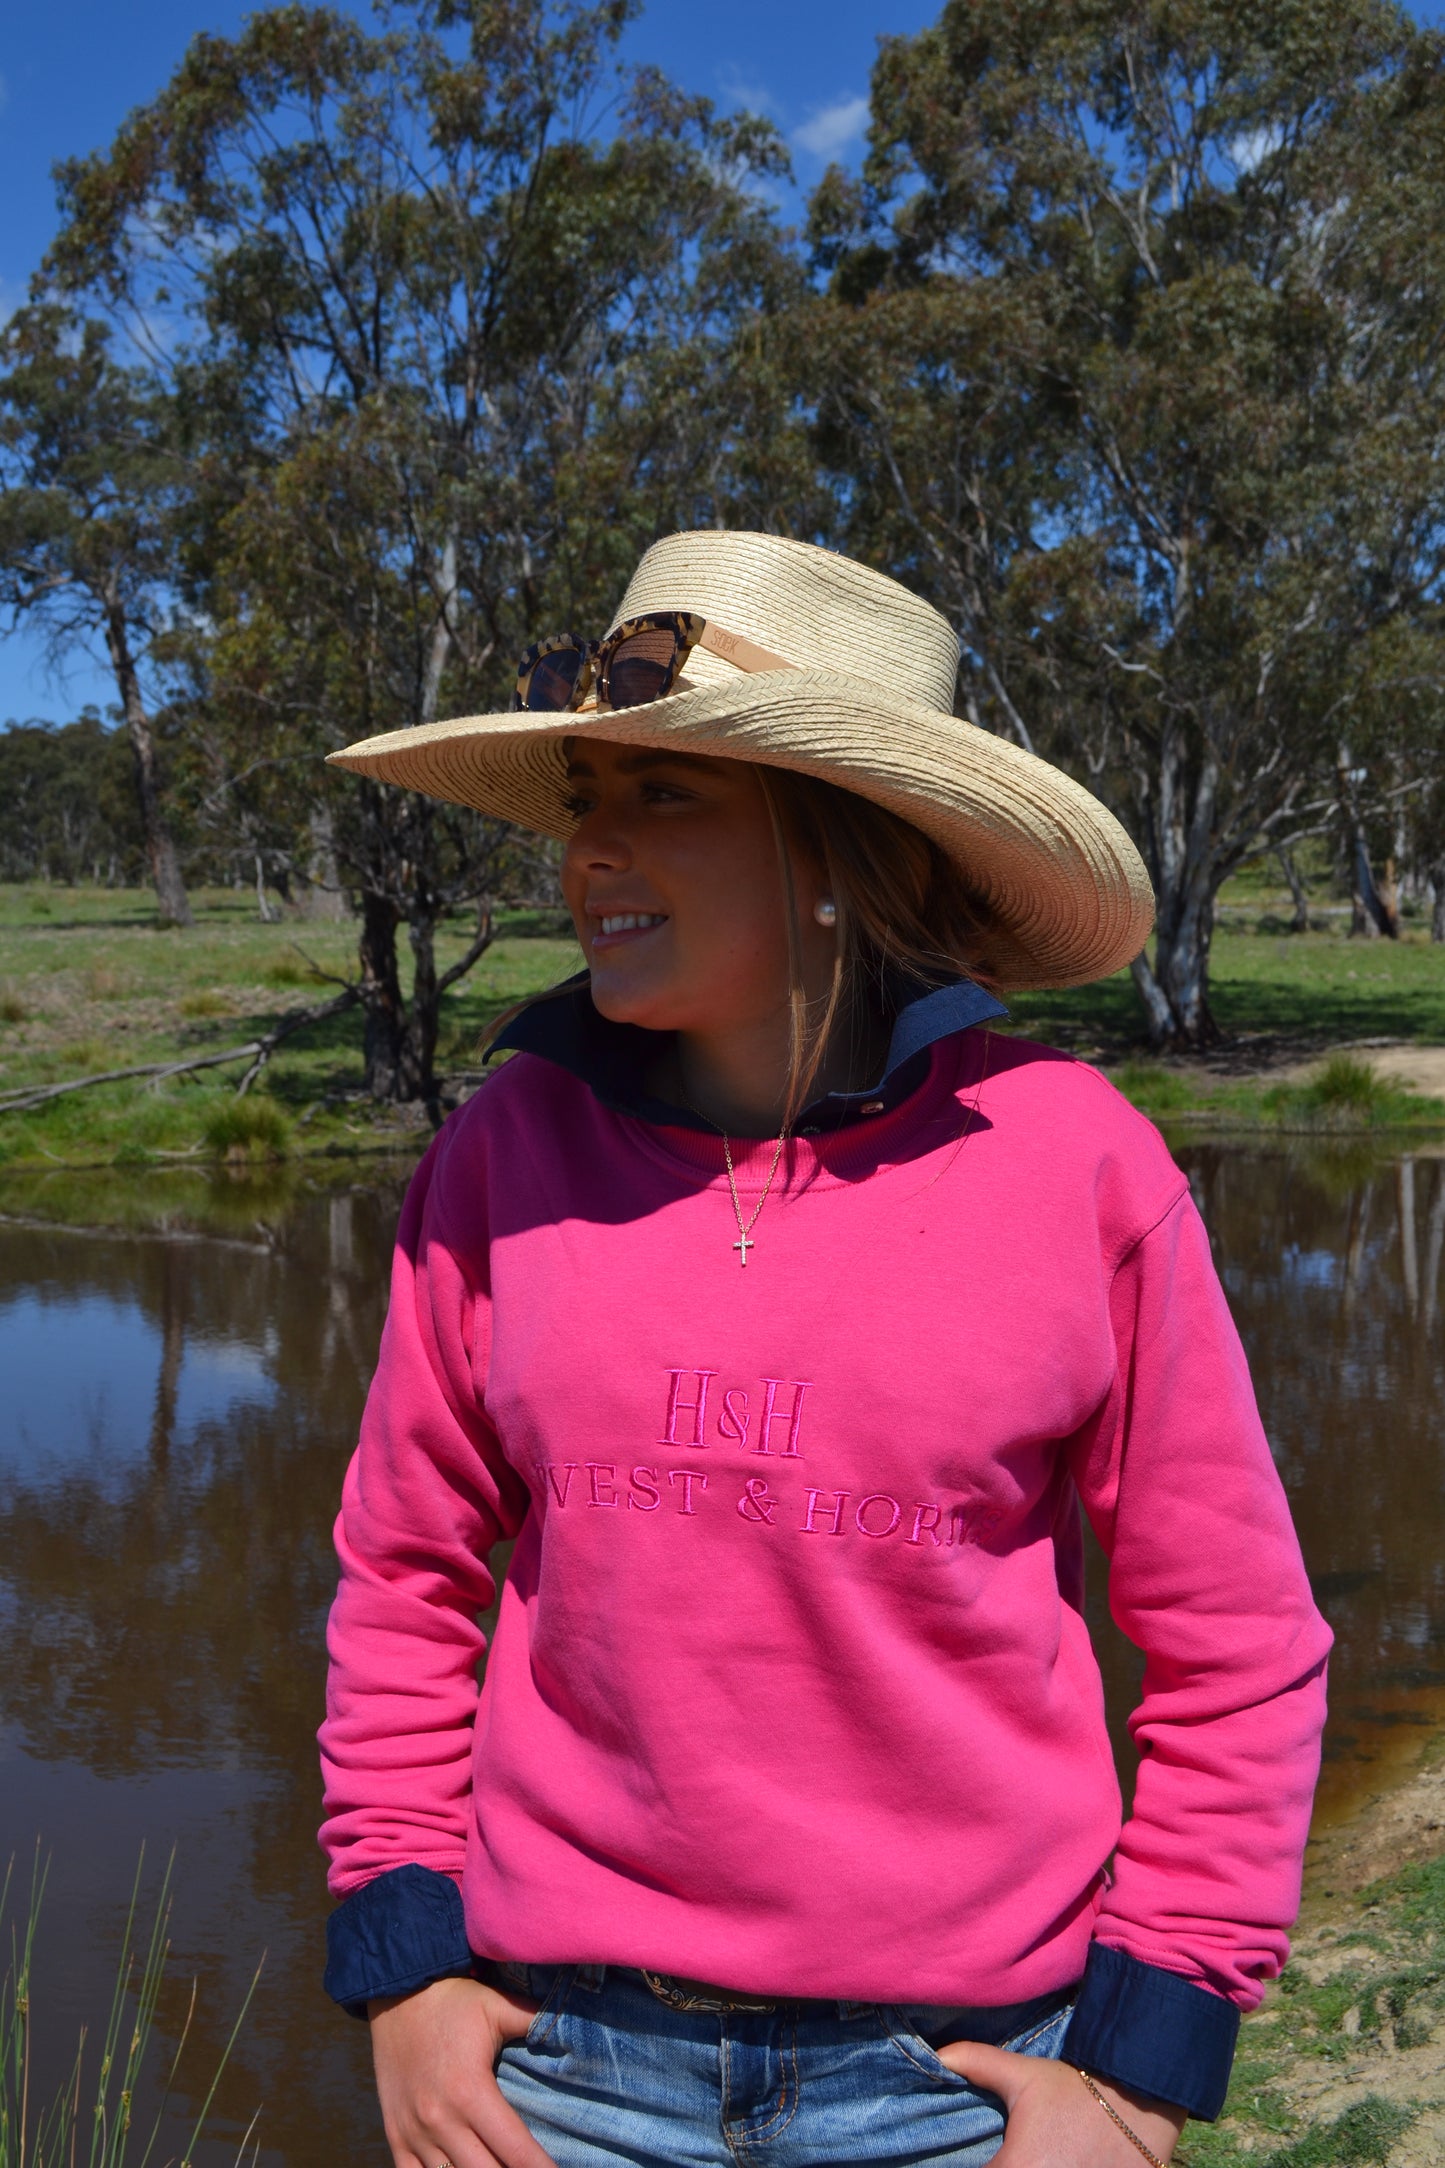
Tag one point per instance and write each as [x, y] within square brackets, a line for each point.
[598, 843]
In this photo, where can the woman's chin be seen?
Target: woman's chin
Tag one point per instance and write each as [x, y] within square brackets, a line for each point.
[624, 1001]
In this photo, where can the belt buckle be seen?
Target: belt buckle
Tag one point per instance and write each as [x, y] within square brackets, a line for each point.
[682, 1994]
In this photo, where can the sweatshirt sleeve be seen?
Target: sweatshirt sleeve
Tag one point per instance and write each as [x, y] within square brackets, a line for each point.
[1206, 1578]
[427, 1496]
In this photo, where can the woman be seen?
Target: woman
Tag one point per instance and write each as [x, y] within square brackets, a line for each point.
[785, 1314]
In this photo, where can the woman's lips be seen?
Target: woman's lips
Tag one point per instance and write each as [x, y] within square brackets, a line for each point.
[615, 928]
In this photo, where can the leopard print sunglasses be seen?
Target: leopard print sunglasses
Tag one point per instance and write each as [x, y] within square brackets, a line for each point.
[640, 660]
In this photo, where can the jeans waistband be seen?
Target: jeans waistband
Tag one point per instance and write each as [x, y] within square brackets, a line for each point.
[680, 1992]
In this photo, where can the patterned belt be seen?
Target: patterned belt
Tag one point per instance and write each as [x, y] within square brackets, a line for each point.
[682, 1994]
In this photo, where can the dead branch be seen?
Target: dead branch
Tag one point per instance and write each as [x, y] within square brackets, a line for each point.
[481, 941]
[33, 1223]
[259, 1051]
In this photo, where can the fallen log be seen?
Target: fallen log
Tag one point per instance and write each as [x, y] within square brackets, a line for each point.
[258, 1051]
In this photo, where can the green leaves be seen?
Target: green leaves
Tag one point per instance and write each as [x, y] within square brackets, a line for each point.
[464, 313]
[1133, 357]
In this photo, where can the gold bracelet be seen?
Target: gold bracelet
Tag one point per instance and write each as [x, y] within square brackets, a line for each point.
[1132, 2135]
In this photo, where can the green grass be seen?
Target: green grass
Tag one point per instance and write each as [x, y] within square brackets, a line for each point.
[1155, 1090]
[1316, 988]
[252, 1128]
[1345, 1093]
[1344, 1098]
[88, 981]
[1361, 2138]
[94, 2116]
[1386, 1994]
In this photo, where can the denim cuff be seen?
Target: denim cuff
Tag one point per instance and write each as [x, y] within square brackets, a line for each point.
[1147, 2028]
[393, 1935]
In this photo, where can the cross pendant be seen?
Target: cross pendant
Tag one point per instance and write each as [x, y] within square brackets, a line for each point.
[744, 1246]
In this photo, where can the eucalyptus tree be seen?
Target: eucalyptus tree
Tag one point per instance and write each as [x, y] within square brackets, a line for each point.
[1133, 355]
[443, 274]
[91, 480]
[67, 804]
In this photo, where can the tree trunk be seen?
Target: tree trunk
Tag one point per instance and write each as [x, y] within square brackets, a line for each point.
[267, 916]
[440, 644]
[1382, 915]
[175, 909]
[419, 1044]
[1369, 913]
[400, 1044]
[1436, 874]
[1296, 888]
[1174, 988]
[380, 996]
[321, 896]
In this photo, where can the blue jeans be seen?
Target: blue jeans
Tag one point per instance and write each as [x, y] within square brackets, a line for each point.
[610, 2073]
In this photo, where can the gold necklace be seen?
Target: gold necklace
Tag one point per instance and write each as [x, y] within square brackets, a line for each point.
[744, 1242]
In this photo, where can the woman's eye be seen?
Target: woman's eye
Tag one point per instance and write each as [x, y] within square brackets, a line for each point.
[577, 805]
[665, 794]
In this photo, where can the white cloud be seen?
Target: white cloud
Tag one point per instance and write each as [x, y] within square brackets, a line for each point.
[743, 92]
[1256, 144]
[833, 127]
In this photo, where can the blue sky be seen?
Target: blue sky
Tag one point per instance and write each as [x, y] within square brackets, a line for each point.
[69, 75]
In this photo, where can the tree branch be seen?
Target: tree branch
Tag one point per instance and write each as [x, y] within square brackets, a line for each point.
[260, 1049]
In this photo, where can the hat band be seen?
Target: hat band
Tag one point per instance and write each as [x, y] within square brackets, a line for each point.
[639, 661]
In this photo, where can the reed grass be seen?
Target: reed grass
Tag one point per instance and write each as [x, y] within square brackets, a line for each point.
[92, 2120]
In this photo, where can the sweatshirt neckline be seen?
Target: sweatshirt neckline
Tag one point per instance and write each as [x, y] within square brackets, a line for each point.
[613, 1060]
[954, 1065]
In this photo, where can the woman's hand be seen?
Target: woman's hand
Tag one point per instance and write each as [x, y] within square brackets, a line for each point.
[1053, 2120]
[435, 2053]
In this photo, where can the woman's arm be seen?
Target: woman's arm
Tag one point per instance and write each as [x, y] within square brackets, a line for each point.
[427, 1496]
[1206, 1578]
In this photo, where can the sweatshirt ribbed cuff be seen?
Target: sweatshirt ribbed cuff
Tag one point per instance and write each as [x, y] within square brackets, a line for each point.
[394, 1935]
[1146, 2028]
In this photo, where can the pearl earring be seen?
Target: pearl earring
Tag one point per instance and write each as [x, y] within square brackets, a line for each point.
[825, 911]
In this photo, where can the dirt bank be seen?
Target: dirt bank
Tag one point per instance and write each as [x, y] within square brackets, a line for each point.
[1345, 2061]
[1422, 1068]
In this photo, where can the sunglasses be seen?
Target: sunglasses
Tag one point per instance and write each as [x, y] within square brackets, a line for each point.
[640, 660]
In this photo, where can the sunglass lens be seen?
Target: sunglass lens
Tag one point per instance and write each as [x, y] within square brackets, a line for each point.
[554, 680]
[640, 667]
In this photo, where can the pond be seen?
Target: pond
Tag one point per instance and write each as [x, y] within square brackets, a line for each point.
[176, 1415]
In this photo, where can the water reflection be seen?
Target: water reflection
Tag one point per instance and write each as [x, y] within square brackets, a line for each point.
[175, 1421]
[177, 1418]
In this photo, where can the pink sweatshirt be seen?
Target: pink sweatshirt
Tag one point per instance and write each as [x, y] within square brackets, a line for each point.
[791, 1688]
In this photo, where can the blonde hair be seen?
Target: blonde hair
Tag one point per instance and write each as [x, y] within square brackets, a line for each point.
[907, 920]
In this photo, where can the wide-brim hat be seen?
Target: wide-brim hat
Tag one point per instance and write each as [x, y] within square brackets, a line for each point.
[867, 705]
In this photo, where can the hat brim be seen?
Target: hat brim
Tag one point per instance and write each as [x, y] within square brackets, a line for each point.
[1064, 886]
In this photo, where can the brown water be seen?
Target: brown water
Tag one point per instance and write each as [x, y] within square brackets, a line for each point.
[175, 1416]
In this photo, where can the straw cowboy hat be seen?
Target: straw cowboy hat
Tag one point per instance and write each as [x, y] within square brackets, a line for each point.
[810, 661]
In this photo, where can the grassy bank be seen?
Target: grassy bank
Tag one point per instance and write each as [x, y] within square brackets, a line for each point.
[1343, 2066]
[89, 982]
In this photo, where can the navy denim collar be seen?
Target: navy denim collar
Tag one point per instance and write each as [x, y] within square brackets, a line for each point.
[613, 1059]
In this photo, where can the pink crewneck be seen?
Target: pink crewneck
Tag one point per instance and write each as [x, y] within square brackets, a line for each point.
[791, 1689]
